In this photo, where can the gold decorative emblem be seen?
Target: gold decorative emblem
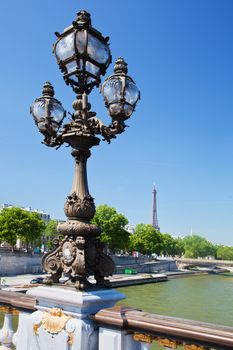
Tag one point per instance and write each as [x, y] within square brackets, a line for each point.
[54, 321]
[194, 347]
[167, 343]
[143, 338]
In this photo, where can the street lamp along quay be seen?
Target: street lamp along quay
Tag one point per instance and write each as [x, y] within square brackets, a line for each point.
[83, 55]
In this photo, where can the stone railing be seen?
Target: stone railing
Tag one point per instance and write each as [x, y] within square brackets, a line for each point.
[43, 325]
[11, 305]
[123, 328]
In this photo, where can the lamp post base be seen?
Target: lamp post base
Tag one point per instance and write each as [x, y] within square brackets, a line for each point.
[71, 301]
[62, 318]
[78, 257]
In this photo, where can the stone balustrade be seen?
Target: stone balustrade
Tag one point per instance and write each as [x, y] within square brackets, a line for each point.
[63, 319]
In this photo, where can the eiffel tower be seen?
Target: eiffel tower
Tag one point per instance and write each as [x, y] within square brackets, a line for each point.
[154, 210]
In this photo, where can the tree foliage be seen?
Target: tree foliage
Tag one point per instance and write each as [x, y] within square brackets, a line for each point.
[178, 247]
[224, 253]
[196, 246]
[112, 224]
[18, 223]
[146, 239]
[172, 246]
[50, 232]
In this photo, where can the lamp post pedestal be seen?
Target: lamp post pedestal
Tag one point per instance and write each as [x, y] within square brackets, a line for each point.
[80, 304]
[62, 318]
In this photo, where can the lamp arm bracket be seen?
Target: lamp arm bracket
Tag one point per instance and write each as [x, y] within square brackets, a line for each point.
[53, 141]
[108, 132]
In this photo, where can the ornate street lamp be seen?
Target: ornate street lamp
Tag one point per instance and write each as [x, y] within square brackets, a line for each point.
[48, 114]
[83, 55]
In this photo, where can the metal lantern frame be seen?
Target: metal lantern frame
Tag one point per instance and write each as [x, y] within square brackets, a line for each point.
[86, 80]
[47, 100]
[120, 73]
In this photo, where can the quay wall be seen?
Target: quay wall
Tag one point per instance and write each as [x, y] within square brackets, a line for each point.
[12, 263]
[130, 260]
[149, 267]
[15, 263]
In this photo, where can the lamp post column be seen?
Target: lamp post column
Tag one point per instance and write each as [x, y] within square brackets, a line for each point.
[79, 253]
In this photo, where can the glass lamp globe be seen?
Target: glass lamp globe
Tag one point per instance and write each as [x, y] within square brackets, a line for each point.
[82, 54]
[47, 112]
[120, 92]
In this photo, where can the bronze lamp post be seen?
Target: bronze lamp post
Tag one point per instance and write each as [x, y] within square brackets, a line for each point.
[83, 55]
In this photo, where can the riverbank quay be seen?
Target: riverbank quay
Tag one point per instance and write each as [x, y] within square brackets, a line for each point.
[22, 282]
[185, 273]
[143, 264]
[122, 280]
[127, 281]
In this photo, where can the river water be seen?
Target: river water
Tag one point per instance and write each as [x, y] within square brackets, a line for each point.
[207, 298]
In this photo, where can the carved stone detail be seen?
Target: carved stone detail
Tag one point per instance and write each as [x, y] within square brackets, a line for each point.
[52, 264]
[79, 257]
[77, 228]
[54, 321]
[79, 208]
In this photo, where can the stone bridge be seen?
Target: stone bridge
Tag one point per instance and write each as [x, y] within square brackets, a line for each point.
[208, 263]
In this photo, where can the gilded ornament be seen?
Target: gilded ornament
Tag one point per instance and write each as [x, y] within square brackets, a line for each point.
[143, 338]
[54, 321]
[36, 327]
[9, 310]
[194, 347]
[167, 343]
[70, 340]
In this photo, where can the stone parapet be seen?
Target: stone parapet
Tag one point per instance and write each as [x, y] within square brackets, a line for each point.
[149, 267]
[15, 264]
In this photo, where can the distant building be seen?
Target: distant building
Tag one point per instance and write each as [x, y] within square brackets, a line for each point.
[42, 214]
[130, 228]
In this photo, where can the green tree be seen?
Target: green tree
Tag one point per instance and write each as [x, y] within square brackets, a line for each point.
[18, 223]
[112, 224]
[50, 232]
[224, 253]
[172, 246]
[179, 246]
[146, 239]
[196, 246]
[168, 243]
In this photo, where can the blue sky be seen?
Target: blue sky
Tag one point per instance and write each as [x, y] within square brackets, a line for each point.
[180, 54]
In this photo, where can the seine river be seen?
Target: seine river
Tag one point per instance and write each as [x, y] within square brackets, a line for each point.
[207, 298]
